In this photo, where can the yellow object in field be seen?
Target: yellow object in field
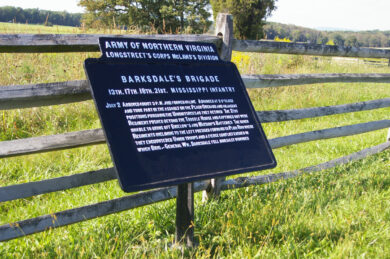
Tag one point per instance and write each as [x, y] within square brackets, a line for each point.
[240, 59]
[282, 40]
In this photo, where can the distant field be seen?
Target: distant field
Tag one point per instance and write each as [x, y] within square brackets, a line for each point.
[32, 28]
[55, 29]
[341, 212]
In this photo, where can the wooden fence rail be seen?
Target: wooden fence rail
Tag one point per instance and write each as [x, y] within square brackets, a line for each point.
[329, 133]
[41, 144]
[34, 95]
[240, 182]
[25, 190]
[297, 114]
[46, 43]
[308, 49]
[51, 143]
[13, 192]
[263, 81]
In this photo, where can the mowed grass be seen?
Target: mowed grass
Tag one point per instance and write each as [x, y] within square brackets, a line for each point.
[340, 212]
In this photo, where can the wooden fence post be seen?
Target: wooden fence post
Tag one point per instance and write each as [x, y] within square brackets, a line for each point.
[224, 30]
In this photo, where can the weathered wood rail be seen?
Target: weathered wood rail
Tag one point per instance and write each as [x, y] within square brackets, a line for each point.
[46, 43]
[308, 49]
[34, 145]
[36, 95]
[263, 81]
[51, 143]
[30, 189]
[297, 114]
[25, 190]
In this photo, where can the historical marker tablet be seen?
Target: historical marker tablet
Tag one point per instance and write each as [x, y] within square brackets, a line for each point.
[173, 112]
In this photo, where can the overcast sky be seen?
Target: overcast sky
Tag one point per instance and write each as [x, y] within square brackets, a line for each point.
[343, 14]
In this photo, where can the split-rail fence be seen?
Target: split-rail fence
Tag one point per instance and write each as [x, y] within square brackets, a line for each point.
[34, 95]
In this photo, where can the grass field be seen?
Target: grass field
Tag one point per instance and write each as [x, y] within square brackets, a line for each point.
[338, 213]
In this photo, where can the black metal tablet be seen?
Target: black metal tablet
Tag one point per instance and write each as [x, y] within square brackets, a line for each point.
[173, 112]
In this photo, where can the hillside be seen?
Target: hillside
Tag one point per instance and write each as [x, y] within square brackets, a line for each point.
[347, 38]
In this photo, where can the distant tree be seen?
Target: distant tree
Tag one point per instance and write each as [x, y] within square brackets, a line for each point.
[351, 41]
[324, 40]
[248, 15]
[338, 40]
[374, 41]
[163, 16]
[311, 37]
[383, 40]
[296, 34]
[302, 38]
[270, 32]
[282, 32]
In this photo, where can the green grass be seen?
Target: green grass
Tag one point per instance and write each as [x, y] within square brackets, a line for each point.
[341, 212]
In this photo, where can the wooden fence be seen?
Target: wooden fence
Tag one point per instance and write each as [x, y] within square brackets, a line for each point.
[25, 96]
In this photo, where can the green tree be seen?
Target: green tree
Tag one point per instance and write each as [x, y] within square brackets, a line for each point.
[338, 39]
[163, 16]
[374, 41]
[248, 15]
[324, 40]
[351, 41]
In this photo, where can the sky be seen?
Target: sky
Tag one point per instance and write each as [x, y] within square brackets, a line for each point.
[341, 14]
[344, 14]
[54, 5]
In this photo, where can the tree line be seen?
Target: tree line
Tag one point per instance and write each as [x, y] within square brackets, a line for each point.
[193, 16]
[163, 16]
[178, 16]
[295, 33]
[37, 16]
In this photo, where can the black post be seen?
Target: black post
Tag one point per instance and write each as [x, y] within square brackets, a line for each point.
[185, 214]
